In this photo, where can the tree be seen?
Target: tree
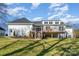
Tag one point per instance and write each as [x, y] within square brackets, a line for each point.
[3, 15]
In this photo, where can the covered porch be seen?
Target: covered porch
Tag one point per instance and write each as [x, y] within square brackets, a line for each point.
[43, 34]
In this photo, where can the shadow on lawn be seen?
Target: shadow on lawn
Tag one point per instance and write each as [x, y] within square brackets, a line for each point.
[44, 51]
[8, 45]
[48, 49]
[40, 44]
[22, 49]
[67, 51]
[31, 46]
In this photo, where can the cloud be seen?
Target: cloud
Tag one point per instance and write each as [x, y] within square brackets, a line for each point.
[35, 5]
[16, 11]
[55, 8]
[37, 18]
[9, 3]
[51, 17]
[58, 11]
[55, 5]
[3, 10]
[69, 18]
[61, 9]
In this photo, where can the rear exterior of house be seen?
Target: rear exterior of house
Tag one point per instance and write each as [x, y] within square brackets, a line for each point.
[37, 29]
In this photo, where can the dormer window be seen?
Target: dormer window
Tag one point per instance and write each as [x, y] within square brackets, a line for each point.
[56, 22]
[50, 22]
[45, 22]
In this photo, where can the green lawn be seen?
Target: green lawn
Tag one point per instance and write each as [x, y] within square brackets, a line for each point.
[44, 47]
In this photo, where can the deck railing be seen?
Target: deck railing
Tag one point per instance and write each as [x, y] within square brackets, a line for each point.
[48, 31]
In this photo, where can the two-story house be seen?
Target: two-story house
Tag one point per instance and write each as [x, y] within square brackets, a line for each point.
[38, 29]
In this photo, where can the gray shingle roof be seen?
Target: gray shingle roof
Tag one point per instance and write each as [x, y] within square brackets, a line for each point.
[37, 22]
[22, 20]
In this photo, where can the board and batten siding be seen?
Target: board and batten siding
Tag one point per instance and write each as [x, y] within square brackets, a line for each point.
[19, 29]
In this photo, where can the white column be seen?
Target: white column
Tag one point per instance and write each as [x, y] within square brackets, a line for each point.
[52, 35]
[58, 35]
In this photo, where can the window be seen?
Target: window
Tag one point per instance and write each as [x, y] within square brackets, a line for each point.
[61, 28]
[56, 22]
[45, 22]
[38, 28]
[10, 30]
[50, 22]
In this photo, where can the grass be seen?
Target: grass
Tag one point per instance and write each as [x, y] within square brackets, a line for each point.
[43, 47]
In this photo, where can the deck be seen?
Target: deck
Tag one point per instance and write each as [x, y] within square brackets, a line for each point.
[45, 34]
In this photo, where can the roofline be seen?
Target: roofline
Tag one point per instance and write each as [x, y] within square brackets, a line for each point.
[48, 20]
[32, 24]
[19, 23]
[51, 20]
[49, 24]
[34, 21]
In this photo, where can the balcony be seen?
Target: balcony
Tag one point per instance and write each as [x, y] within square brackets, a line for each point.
[47, 30]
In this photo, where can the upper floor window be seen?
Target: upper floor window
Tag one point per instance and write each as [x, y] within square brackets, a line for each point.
[56, 22]
[45, 22]
[50, 22]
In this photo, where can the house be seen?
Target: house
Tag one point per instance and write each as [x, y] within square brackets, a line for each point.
[2, 31]
[38, 29]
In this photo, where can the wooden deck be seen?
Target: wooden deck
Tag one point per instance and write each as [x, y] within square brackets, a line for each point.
[42, 34]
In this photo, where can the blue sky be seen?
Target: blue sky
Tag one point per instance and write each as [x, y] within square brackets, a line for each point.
[44, 11]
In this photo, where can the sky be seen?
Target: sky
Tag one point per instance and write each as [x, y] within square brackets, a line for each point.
[43, 11]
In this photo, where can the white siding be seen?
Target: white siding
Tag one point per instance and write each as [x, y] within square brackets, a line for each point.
[20, 29]
[69, 32]
[54, 28]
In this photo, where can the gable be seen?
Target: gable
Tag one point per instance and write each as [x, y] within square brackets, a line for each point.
[22, 20]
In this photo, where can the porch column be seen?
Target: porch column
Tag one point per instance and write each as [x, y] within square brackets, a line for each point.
[43, 35]
[51, 35]
[35, 34]
[58, 35]
[41, 32]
